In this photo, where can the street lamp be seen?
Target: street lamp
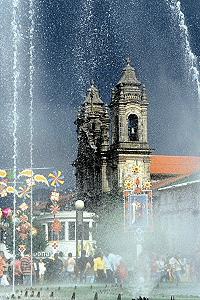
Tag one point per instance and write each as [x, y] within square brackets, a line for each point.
[79, 206]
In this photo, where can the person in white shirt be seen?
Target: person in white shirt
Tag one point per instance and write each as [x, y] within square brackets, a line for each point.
[70, 267]
[42, 270]
[176, 267]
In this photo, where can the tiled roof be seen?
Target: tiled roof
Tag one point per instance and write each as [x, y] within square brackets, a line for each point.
[166, 182]
[174, 165]
[180, 182]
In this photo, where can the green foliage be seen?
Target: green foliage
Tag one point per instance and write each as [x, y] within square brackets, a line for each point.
[38, 239]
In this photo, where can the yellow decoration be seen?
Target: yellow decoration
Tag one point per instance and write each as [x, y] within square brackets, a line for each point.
[26, 173]
[3, 173]
[24, 192]
[136, 169]
[10, 190]
[129, 184]
[147, 185]
[34, 231]
[56, 179]
[23, 206]
[41, 178]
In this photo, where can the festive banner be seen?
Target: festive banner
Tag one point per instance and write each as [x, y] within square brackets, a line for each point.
[137, 211]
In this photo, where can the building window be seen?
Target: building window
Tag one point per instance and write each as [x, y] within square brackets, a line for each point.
[71, 231]
[53, 236]
[116, 129]
[133, 128]
[86, 231]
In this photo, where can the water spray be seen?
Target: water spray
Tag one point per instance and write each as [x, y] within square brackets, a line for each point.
[190, 58]
[16, 38]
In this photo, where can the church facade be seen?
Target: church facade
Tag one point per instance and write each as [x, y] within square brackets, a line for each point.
[112, 140]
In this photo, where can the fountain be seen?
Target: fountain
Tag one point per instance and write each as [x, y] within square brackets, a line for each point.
[87, 64]
[16, 40]
[191, 59]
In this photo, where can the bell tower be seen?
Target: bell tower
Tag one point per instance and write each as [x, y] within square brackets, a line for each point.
[129, 149]
[93, 142]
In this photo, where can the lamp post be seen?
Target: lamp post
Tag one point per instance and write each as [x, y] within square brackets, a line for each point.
[79, 206]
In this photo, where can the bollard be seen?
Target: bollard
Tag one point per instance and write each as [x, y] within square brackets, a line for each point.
[51, 295]
[119, 297]
[26, 294]
[73, 296]
[96, 296]
[38, 295]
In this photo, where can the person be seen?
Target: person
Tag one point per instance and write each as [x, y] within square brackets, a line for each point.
[114, 260]
[27, 268]
[122, 272]
[3, 268]
[82, 261]
[61, 256]
[18, 271]
[57, 267]
[109, 268]
[100, 268]
[176, 267]
[42, 270]
[70, 267]
[89, 271]
[36, 273]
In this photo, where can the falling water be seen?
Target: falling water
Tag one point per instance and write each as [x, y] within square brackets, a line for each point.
[31, 73]
[83, 47]
[190, 57]
[16, 36]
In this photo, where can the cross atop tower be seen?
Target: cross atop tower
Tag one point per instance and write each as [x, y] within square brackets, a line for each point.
[128, 60]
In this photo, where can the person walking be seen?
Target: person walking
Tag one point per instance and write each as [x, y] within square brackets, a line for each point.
[82, 261]
[3, 268]
[18, 271]
[100, 268]
[27, 269]
[57, 267]
[89, 271]
[70, 268]
[109, 268]
[42, 270]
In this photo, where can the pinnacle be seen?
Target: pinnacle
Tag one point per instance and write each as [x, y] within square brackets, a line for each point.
[128, 75]
[93, 95]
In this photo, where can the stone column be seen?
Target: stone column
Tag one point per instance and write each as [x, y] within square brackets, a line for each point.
[105, 184]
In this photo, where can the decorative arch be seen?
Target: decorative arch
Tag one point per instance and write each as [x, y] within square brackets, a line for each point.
[133, 127]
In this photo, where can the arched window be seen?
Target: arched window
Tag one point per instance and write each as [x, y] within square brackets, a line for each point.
[133, 128]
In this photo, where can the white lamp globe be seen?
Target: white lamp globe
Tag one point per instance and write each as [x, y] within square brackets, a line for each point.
[79, 204]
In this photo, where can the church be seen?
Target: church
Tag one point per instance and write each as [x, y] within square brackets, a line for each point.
[114, 153]
[112, 140]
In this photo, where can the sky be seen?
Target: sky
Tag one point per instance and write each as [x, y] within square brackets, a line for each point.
[83, 40]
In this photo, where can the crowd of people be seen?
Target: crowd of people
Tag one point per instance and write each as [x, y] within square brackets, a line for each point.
[100, 268]
[174, 268]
